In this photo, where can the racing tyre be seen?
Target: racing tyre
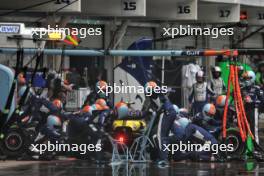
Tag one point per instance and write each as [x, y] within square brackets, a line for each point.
[233, 137]
[14, 143]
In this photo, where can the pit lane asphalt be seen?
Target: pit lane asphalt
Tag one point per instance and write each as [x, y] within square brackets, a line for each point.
[84, 168]
[71, 167]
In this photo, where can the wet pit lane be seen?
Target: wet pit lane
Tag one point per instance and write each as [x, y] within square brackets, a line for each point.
[83, 168]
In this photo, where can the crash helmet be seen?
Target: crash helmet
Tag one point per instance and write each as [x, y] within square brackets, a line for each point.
[21, 92]
[176, 108]
[183, 122]
[209, 110]
[100, 88]
[102, 103]
[216, 72]
[150, 88]
[200, 77]
[57, 103]
[21, 79]
[87, 109]
[53, 122]
[121, 110]
[97, 107]
[240, 70]
[183, 112]
[220, 101]
[120, 103]
[249, 78]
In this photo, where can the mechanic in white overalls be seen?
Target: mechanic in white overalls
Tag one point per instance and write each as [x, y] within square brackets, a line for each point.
[200, 94]
[217, 84]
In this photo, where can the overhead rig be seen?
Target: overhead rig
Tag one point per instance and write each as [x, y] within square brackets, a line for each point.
[134, 53]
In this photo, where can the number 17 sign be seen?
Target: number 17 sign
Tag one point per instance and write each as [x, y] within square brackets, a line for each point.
[218, 13]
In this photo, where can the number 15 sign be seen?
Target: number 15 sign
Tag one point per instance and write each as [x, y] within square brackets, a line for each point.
[133, 7]
[114, 8]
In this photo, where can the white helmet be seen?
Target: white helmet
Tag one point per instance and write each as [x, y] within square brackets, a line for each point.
[200, 76]
[249, 77]
[217, 69]
[216, 72]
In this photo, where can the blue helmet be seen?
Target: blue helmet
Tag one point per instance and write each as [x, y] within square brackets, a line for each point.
[53, 122]
[209, 110]
[182, 122]
[122, 110]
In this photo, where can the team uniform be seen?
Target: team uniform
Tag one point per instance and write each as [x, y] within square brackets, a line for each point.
[200, 93]
[206, 120]
[217, 84]
[254, 98]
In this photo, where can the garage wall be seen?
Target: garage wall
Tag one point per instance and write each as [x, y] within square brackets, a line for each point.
[256, 41]
[135, 33]
[220, 42]
[182, 43]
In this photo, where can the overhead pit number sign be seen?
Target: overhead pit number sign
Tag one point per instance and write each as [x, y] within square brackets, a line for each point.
[254, 16]
[9, 29]
[172, 9]
[115, 8]
[133, 8]
[218, 13]
[187, 10]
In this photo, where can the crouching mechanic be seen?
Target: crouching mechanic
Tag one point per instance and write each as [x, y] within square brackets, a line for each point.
[161, 104]
[220, 108]
[185, 131]
[105, 111]
[100, 97]
[206, 120]
[99, 92]
[51, 128]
